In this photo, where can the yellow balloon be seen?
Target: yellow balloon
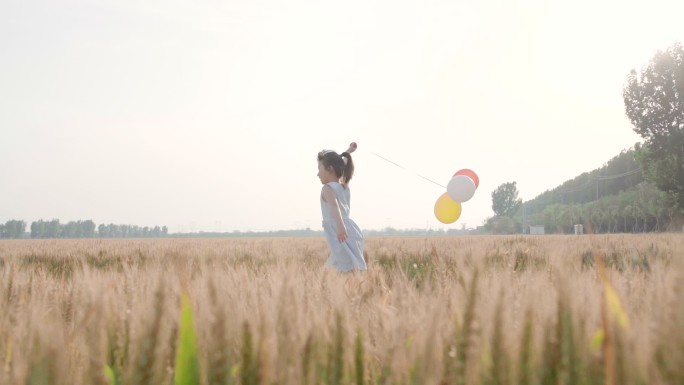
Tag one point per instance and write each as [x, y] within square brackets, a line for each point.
[446, 209]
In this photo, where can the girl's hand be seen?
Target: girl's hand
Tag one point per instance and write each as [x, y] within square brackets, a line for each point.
[341, 234]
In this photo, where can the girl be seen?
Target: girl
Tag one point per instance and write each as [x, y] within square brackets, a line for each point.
[344, 237]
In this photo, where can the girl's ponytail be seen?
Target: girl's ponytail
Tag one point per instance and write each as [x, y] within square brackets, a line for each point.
[348, 169]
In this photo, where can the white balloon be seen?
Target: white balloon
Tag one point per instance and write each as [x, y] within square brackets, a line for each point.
[461, 188]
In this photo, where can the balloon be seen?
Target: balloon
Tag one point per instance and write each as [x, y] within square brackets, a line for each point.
[461, 188]
[446, 210]
[469, 173]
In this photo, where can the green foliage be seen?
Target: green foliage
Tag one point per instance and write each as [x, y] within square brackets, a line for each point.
[654, 103]
[620, 173]
[110, 375]
[43, 366]
[187, 365]
[88, 229]
[612, 198]
[12, 229]
[639, 209]
[505, 199]
[128, 231]
[502, 225]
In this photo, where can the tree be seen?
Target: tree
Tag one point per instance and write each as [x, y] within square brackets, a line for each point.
[12, 229]
[88, 228]
[505, 199]
[38, 229]
[654, 103]
[53, 229]
[502, 225]
[102, 230]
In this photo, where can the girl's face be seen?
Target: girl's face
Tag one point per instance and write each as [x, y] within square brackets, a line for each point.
[326, 175]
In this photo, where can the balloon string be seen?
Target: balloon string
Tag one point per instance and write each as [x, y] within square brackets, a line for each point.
[404, 168]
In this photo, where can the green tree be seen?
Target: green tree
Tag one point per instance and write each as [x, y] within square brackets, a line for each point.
[12, 229]
[502, 225]
[38, 229]
[654, 103]
[88, 228]
[53, 229]
[505, 199]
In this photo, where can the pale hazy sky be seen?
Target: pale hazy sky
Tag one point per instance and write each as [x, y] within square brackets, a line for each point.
[207, 115]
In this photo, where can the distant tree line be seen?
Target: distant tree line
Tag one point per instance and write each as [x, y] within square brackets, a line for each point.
[12, 229]
[619, 174]
[128, 231]
[78, 229]
[614, 198]
[641, 209]
[640, 190]
[54, 229]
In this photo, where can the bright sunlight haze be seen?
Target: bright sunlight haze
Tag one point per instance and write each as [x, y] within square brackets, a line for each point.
[208, 115]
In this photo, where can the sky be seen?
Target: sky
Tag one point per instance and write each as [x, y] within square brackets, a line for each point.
[207, 115]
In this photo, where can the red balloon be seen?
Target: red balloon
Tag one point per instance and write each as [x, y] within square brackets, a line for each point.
[470, 174]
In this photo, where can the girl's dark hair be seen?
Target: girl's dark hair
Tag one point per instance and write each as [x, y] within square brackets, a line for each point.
[343, 170]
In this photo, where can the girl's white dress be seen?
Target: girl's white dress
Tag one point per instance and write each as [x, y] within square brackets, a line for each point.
[348, 255]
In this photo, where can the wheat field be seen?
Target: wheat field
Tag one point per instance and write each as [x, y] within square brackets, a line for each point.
[457, 310]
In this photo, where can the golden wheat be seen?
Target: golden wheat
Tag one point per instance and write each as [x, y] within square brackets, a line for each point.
[463, 310]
